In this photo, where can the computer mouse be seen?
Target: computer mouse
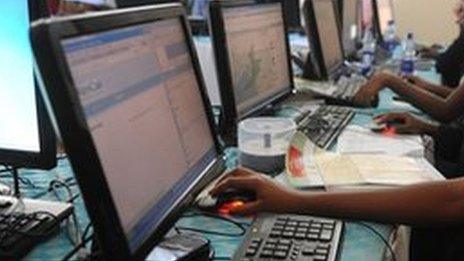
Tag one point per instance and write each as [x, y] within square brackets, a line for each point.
[226, 200]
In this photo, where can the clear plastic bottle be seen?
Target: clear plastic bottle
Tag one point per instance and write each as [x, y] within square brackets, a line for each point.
[409, 55]
[389, 37]
[368, 51]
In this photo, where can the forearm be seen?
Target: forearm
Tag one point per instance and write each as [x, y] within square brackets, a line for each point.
[431, 103]
[439, 90]
[431, 204]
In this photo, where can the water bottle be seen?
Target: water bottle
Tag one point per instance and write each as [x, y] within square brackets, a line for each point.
[389, 37]
[368, 51]
[408, 58]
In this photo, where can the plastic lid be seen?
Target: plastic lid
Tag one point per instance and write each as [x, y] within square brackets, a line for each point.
[267, 125]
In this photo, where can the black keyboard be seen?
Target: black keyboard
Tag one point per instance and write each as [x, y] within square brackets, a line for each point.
[325, 125]
[19, 232]
[291, 237]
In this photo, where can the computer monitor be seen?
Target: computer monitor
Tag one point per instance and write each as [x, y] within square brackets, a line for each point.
[251, 50]
[26, 136]
[291, 12]
[383, 13]
[324, 37]
[128, 96]
[350, 23]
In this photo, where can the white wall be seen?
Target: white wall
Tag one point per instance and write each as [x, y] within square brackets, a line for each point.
[432, 21]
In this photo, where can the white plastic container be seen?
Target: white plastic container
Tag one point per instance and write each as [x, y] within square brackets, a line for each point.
[263, 143]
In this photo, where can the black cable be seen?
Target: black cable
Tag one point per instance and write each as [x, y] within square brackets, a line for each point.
[239, 225]
[385, 241]
[77, 248]
[217, 216]
[86, 231]
[210, 232]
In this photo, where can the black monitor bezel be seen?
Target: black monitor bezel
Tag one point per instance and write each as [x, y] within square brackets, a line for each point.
[46, 157]
[376, 19]
[230, 115]
[314, 40]
[46, 38]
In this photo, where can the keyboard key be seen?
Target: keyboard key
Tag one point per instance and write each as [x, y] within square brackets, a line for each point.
[322, 251]
[288, 234]
[292, 223]
[276, 233]
[280, 254]
[291, 228]
[300, 235]
[302, 230]
[316, 225]
[315, 231]
[266, 253]
[283, 247]
[303, 224]
[269, 247]
[250, 252]
[326, 235]
[319, 258]
[309, 250]
[285, 242]
[311, 236]
[271, 241]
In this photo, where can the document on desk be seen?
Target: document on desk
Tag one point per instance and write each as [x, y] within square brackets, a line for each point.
[359, 140]
[308, 166]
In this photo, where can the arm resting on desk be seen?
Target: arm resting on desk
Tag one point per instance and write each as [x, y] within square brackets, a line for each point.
[439, 90]
[442, 109]
[429, 204]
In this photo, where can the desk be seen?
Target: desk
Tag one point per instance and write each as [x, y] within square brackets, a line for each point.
[358, 244]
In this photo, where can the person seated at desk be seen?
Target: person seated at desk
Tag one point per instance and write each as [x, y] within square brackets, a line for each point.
[450, 64]
[435, 205]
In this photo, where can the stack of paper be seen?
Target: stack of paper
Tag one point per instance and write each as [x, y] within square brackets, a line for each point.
[308, 166]
[358, 140]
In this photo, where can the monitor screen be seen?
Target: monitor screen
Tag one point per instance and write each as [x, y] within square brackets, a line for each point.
[327, 27]
[19, 128]
[143, 106]
[257, 51]
[350, 25]
[385, 13]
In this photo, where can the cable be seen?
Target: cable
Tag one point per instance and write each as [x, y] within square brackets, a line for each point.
[237, 224]
[210, 232]
[385, 241]
[77, 248]
[217, 216]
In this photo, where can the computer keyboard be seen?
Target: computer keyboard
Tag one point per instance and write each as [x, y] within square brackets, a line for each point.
[24, 225]
[324, 125]
[347, 87]
[291, 237]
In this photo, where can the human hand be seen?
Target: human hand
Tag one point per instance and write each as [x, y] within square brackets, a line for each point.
[403, 123]
[368, 92]
[429, 52]
[270, 196]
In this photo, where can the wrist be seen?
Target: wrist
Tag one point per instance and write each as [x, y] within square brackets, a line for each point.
[429, 128]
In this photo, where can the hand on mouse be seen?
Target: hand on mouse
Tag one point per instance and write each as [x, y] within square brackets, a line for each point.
[270, 196]
[404, 123]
